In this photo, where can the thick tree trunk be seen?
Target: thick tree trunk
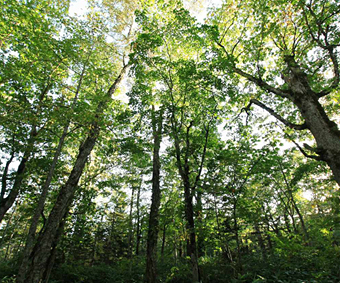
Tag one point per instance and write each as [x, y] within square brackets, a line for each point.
[325, 131]
[151, 253]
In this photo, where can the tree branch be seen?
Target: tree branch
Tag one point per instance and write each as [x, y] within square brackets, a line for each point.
[325, 45]
[277, 116]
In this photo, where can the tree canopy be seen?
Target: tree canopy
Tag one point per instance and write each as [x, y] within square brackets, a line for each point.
[142, 142]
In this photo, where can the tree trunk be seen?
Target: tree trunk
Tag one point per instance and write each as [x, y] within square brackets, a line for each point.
[41, 253]
[163, 240]
[44, 191]
[130, 251]
[4, 177]
[325, 131]
[261, 242]
[237, 239]
[138, 226]
[190, 226]
[42, 249]
[39, 210]
[200, 225]
[7, 202]
[151, 253]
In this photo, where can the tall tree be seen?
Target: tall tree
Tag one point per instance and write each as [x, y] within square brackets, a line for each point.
[287, 50]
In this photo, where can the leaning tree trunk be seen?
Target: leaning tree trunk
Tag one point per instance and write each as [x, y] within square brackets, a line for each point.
[44, 191]
[7, 202]
[39, 258]
[151, 275]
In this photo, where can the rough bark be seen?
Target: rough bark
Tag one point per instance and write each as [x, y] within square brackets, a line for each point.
[151, 253]
[325, 131]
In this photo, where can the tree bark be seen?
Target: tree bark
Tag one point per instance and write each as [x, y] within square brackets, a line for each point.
[151, 253]
[138, 226]
[130, 251]
[325, 132]
[261, 241]
[44, 191]
[7, 202]
[41, 252]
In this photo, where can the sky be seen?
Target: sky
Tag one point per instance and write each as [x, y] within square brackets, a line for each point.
[79, 7]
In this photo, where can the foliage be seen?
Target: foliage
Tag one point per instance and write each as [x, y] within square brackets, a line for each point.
[262, 211]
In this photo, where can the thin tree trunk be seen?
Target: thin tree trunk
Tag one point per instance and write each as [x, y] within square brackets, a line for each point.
[8, 223]
[151, 274]
[163, 240]
[44, 192]
[42, 250]
[290, 195]
[138, 228]
[130, 252]
[4, 177]
[238, 246]
[6, 203]
[261, 242]
[200, 225]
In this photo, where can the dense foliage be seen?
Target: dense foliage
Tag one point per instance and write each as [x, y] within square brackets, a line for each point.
[142, 143]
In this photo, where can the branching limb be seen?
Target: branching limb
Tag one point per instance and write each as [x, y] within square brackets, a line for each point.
[258, 81]
[321, 39]
[277, 116]
[315, 157]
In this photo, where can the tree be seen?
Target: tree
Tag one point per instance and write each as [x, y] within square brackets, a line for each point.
[280, 38]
